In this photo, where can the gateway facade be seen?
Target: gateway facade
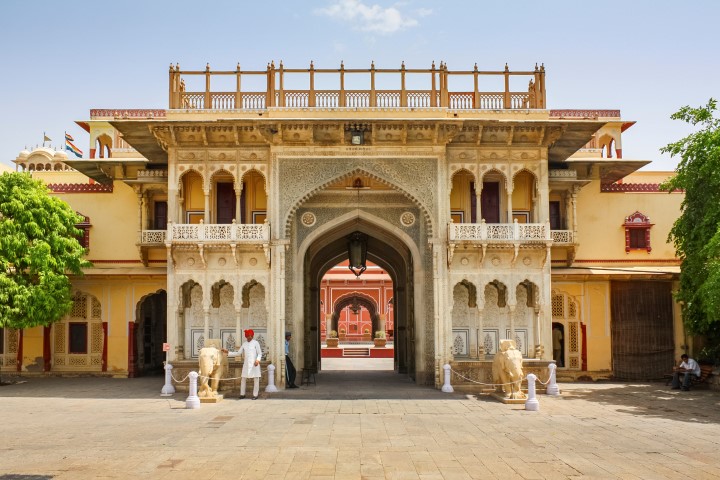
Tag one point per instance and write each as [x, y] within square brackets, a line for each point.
[494, 217]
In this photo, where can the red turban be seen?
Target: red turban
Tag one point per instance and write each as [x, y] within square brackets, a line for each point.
[249, 333]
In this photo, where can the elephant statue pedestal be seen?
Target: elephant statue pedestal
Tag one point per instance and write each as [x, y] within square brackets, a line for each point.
[507, 372]
[212, 364]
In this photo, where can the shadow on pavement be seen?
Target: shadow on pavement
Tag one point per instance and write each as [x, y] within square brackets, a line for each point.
[329, 385]
[651, 399]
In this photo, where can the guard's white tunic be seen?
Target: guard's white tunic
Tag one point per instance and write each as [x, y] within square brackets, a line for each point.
[251, 351]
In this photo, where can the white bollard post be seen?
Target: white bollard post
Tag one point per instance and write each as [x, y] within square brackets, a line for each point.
[271, 388]
[552, 387]
[447, 388]
[168, 388]
[532, 403]
[193, 401]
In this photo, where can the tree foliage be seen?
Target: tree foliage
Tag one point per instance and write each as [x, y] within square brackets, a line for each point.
[696, 233]
[38, 249]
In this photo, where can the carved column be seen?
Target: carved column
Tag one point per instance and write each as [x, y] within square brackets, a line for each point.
[238, 193]
[510, 185]
[573, 204]
[206, 322]
[207, 206]
[238, 327]
[328, 324]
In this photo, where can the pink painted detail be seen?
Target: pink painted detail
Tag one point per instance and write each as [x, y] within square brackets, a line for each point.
[127, 113]
[585, 113]
[80, 188]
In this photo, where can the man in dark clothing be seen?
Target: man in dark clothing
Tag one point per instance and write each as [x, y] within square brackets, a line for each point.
[290, 371]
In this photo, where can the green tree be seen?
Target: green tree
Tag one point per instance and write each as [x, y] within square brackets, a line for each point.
[38, 249]
[696, 233]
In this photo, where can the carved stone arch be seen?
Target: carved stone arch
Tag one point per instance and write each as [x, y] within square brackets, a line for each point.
[472, 292]
[502, 292]
[494, 170]
[524, 168]
[220, 171]
[458, 168]
[532, 292]
[253, 168]
[215, 292]
[350, 174]
[185, 290]
[246, 292]
[188, 171]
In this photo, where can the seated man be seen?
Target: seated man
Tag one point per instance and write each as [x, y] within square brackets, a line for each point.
[688, 367]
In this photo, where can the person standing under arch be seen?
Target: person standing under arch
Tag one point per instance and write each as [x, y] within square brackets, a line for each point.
[290, 371]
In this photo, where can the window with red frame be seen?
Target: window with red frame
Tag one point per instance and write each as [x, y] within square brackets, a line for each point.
[637, 232]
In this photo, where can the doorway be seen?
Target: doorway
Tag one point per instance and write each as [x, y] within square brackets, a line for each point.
[150, 334]
[389, 254]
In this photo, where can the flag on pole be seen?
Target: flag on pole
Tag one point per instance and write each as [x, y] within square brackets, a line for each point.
[46, 139]
[70, 146]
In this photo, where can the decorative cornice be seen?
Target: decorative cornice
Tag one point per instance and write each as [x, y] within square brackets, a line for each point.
[127, 113]
[80, 188]
[634, 187]
[668, 261]
[584, 113]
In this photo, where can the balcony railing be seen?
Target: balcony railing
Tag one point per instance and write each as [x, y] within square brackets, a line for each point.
[277, 93]
[207, 233]
[563, 237]
[151, 237]
[219, 233]
[499, 232]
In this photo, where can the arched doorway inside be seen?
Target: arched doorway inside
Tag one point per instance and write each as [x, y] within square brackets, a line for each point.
[385, 250]
[150, 334]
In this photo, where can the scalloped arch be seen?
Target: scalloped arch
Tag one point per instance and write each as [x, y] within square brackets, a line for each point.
[253, 169]
[352, 173]
[186, 172]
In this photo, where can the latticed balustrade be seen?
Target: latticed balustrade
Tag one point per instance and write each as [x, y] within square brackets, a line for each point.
[219, 233]
[437, 93]
[499, 232]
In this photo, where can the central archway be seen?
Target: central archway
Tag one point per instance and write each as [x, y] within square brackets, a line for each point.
[386, 248]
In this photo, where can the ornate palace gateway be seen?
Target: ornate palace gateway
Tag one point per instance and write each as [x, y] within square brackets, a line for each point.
[465, 188]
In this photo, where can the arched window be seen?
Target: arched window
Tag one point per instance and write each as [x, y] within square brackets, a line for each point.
[637, 232]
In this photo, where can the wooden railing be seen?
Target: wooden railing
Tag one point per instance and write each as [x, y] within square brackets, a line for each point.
[276, 95]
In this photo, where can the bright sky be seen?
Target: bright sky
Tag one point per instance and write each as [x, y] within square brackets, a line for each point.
[645, 57]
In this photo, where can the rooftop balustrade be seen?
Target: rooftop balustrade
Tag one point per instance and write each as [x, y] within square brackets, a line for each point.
[277, 95]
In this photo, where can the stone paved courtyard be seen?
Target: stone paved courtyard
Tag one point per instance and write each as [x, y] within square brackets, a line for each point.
[355, 424]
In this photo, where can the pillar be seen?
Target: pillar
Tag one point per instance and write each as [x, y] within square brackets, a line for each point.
[238, 194]
[509, 200]
[207, 206]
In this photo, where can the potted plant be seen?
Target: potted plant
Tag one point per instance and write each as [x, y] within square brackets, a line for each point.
[332, 339]
[380, 339]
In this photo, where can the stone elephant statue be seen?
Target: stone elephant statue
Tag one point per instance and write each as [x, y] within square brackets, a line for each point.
[212, 362]
[507, 369]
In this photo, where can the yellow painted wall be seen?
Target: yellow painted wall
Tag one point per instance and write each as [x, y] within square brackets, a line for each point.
[32, 354]
[119, 297]
[115, 221]
[255, 196]
[460, 194]
[522, 191]
[601, 215]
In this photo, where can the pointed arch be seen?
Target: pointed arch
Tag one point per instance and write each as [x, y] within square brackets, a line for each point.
[353, 173]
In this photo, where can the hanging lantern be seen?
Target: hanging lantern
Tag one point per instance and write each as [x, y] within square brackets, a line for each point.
[357, 252]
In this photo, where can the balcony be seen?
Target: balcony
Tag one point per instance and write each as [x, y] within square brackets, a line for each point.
[202, 235]
[509, 235]
[233, 233]
[277, 93]
[503, 233]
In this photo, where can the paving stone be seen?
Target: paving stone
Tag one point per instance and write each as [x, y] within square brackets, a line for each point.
[356, 425]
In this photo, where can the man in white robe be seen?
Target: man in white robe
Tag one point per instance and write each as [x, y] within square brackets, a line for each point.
[252, 352]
